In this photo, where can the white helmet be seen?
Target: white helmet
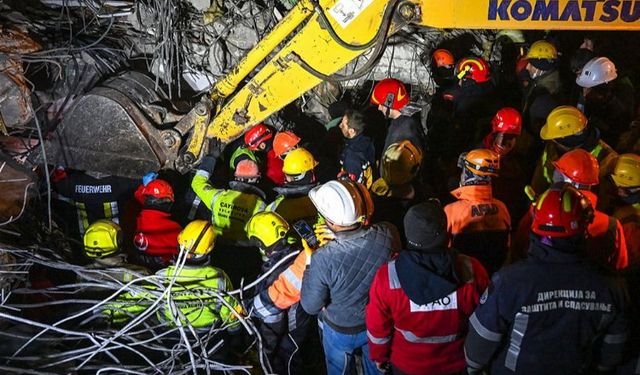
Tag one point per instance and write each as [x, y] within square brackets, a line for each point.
[342, 202]
[597, 71]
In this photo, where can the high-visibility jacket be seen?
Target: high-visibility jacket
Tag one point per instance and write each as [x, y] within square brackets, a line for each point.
[422, 339]
[629, 217]
[479, 225]
[293, 204]
[606, 245]
[194, 294]
[543, 174]
[282, 293]
[231, 208]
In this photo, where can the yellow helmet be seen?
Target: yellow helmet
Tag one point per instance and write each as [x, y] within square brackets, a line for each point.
[298, 161]
[197, 238]
[102, 238]
[627, 171]
[400, 163]
[268, 227]
[542, 50]
[562, 122]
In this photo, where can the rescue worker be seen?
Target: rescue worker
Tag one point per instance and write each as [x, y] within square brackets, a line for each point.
[230, 208]
[156, 235]
[444, 64]
[81, 198]
[260, 139]
[110, 269]
[479, 224]
[552, 313]
[284, 323]
[197, 286]
[567, 129]
[506, 127]
[608, 100]
[420, 302]
[358, 158]
[103, 242]
[336, 283]
[391, 96]
[606, 245]
[626, 177]
[542, 94]
[293, 201]
[474, 103]
[284, 142]
[397, 190]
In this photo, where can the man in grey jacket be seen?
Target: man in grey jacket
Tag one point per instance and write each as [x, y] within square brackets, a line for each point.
[336, 283]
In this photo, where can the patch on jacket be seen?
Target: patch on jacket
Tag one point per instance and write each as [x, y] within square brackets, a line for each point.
[449, 302]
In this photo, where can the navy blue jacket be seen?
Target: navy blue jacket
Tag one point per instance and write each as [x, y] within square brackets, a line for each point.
[549, 314]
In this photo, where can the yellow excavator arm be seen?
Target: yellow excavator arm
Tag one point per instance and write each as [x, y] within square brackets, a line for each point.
[318, 38]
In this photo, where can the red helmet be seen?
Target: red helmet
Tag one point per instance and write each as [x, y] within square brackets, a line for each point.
[443, 57]
[256, 135]
[507, 120]
[159, 189]
[475, 68]
[561, 211]
[580, 166]
[391, 93]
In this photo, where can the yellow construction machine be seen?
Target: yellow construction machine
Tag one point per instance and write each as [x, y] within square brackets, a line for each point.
[317, 38]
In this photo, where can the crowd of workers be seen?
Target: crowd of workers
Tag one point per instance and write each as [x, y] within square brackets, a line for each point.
[497, 238]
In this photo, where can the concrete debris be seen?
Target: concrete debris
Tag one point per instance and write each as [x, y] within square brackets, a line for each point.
[15, 95]
[18, 188]
[14, 41]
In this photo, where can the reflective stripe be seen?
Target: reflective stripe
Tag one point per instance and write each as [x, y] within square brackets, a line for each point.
[106, 206]
[409, 336]
[471, 363]
[261, 206]
[545, 171]
[519, 328]
[83, 219]
[376, 340]
[613, 339]
[194, 208]
[203, 173]
[483, 331]
[394, 282]
[215, 196]
[596, 150]
[292, 278]
[264, 313]
[292, 315]
[274, 205]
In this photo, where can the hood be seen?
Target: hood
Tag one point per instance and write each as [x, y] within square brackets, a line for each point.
[427, 277]
[473, 192]
[294, 190]
[359, 143]
[244, 187]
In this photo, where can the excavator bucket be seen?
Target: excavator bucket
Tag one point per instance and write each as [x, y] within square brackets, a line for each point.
[112, 130]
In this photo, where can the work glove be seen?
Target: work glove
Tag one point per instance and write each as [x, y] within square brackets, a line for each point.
[148, 178]
[323, 233]
[216, 146]
[307, 251]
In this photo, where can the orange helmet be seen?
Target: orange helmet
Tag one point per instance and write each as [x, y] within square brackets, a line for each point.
[158, 189]
[475, 68]
[481, 162]
[247, 170]
[391, 93]
[443, 57]
[579, 166]
[284, 142]
[507, 120]
[561, 211]
[256, 135]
